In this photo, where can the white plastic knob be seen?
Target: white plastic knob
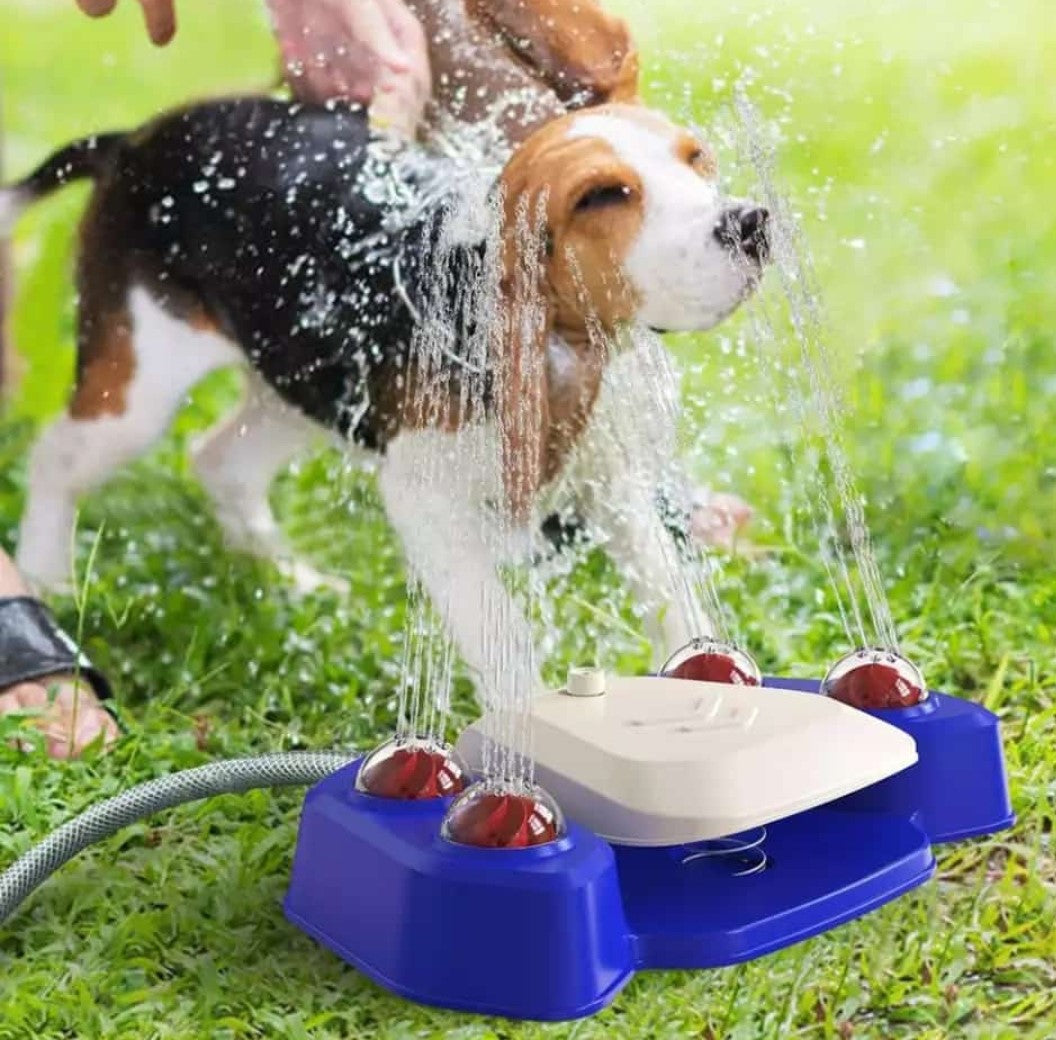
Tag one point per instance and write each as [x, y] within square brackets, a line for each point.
[585, 682]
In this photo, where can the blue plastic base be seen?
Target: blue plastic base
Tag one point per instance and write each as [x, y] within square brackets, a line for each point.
[824, 867]
[958, 788]
[527, 933]
[554, 932]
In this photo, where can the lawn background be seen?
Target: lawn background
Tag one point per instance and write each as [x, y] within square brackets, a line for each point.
[917, 145]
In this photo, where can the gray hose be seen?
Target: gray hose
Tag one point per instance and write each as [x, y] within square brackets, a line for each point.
[282, 769]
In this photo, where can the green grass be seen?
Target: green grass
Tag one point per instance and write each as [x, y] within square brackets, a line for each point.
[916, 143]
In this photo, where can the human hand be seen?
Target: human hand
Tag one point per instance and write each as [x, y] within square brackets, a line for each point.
[718, 520]
[67, 713]
[160, 16]
[369, 51]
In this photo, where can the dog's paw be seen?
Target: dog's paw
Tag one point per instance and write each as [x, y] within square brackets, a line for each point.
[44, 582]
[718, 520]
[306, 579]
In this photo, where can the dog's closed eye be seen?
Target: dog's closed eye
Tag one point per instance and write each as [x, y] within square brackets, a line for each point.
[603, 196]
[699, 156]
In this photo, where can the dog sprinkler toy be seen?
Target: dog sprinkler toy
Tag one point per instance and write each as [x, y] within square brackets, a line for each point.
[680, 823]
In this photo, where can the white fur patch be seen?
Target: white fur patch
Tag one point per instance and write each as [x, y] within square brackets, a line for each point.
[12, 202]
[75, 455]
[686, 278]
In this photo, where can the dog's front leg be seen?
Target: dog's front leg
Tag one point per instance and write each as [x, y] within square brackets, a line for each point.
[635, 537]
[454, 547]
[624, 457]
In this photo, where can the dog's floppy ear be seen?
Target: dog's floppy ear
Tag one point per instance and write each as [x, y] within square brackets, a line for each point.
[625, 85]
[523, 324]
[584, 55]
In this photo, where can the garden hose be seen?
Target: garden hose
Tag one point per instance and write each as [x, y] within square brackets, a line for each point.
[235, 776]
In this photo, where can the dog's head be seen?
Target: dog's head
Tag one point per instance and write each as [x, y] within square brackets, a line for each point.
[613, 216]
[631, 211]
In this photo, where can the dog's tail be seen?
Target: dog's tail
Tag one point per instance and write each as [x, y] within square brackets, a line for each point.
[88, 157]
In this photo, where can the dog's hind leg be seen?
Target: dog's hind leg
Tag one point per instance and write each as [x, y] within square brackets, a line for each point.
[237, 463]
[136, 365]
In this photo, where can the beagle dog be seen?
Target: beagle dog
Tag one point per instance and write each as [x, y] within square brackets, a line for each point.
[476, 336]
[499, 71]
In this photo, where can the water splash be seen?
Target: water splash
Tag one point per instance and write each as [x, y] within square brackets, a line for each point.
[820, 406]
[446, 385]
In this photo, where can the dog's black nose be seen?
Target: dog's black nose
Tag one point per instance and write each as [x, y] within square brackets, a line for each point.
[743, 231]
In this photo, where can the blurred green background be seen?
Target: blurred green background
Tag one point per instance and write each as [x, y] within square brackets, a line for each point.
[916, 142]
